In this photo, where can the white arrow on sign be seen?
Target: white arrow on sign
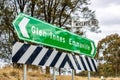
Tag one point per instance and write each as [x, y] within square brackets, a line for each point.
[23, 25]
[93, 48]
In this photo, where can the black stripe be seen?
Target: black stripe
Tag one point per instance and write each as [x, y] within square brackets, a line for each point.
[45, 58]
[33, 55]
[94, 65]
[76, 62]
[14, 42]
[20, 53]
[66, 59]
[88, 63]
[55, 59]
[70, 63]
[83, 63]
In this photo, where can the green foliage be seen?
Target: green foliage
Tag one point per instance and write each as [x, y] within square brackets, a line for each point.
[108, 54]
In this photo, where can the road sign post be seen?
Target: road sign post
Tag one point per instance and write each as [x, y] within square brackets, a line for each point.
[88, 75]
[37, 31]
[73, 53]
[24, 70]
[54, 76]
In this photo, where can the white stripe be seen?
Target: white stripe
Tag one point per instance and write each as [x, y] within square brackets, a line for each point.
[16, 47]
[57, 65]
[40, 56]
[80, 63]
[91, 64]
[27, 54]
[86, 64]
[67, 65]
[50, 59]
[73, 61]
[93, 48]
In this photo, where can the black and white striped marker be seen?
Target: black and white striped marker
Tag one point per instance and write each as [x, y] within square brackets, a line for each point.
[35, 55]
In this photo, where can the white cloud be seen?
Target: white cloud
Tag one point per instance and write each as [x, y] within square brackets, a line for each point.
[104, 3]
[108, 14]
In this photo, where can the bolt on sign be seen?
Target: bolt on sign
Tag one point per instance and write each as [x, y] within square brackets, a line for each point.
[37, 31]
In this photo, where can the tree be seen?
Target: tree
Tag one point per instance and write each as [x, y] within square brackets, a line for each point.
[6, 30]
[108, 54]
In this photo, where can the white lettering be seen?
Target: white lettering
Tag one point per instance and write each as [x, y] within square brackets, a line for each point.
[33, 29]
[78, 44]
[47, 34]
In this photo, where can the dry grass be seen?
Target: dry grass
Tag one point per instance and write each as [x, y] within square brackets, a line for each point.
[10, 74]
[75, 78]
[110, 78]
[17, 74]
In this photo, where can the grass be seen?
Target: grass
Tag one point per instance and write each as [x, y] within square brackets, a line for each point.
[17, 74]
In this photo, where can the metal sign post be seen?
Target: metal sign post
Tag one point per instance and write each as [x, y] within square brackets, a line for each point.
[24, 70]
[54, 77]
[88, 75]
[73, 53]
[72, 74]
[24, 74]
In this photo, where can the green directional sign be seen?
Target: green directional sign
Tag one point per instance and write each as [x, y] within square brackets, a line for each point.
[37, 31]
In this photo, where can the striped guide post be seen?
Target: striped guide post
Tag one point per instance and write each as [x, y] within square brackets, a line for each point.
[35, 55]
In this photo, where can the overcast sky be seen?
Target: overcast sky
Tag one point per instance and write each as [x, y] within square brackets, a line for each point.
[108, 14]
